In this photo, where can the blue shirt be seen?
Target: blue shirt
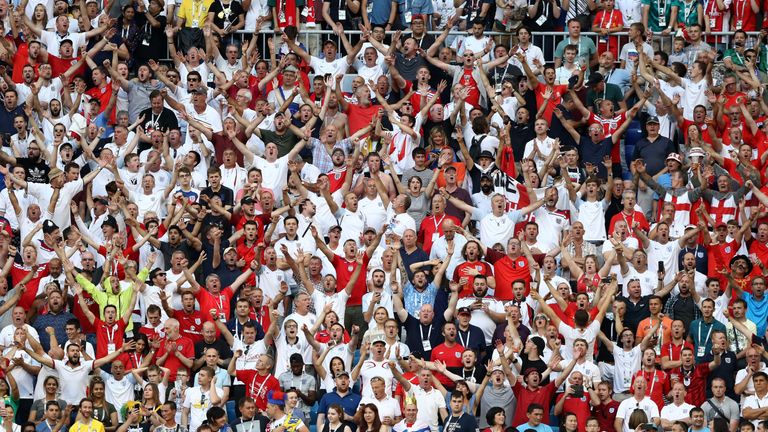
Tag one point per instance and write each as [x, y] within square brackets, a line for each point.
[540, 428]
[57, 321]
[701, 333]
[350, 402]
[757, 311]
[379, 13]
[414, 300]
[421, 7]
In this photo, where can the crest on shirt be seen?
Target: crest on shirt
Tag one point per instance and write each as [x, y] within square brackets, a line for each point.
[197, 321]
[521, 262]
[611, 410]
[728, 249]
[727, 360]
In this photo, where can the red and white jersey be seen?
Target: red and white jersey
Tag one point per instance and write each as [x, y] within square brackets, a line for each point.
[723, 210]
[682, 217]
[400, 151]
[609, 124]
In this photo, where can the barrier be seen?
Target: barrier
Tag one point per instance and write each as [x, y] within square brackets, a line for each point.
[314, 37]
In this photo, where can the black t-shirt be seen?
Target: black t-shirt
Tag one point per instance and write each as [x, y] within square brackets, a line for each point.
[167, 250]
[225, 193]
[431, 332]
[152, 42]
[228, 15]
[220, 344]
[164, 121]
[37, 171]
[462, 423]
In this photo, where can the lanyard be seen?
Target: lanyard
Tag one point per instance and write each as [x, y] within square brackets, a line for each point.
[221, 302]
[429, 332]
[610, 20]
[137, 360]
[687, 11]
[124, 32]
[740, 13]
[111, 336]
[201, 6]
[438, 224]
[708, 333]
[255, 394]
[464, 343]
[653, 382]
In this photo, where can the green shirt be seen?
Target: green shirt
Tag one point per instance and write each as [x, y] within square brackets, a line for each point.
[284, 142]
[121, 300]
[653, 13]
[687, 13]
[586, 49]
[612, 92]
[736, 57]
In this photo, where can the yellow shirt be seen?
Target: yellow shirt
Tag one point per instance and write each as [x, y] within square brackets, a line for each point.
[194, 12]
[95, 426]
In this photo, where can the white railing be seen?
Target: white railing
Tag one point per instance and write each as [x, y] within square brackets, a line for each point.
[541, 39]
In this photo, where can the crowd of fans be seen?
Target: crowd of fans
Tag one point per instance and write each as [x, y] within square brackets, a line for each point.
[215, 219]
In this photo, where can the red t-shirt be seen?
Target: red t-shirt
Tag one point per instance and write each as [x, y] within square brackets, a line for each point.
[481, 266]
[630, 220]
[658, 385]
[18, 272]
[557, 92]
[742, 16]
[606, 414]
[431, 229]
[525, 397]
[468, 81]
[609, 127]
[21, 59]
[703, 127]
[60, 65]
[578, 406]
[185, 346]
[258, 386]
[131, 360]
[359, 116]
[506, 270]
[451, 356]
[220, 302]
[344, 270]
[108, 337]
[191, 325]
[103, 94]
[695, 382]
[77, 311]
[673, 351]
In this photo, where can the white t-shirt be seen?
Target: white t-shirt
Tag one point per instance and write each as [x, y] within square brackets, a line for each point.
[43, 192]
[76, 378]
[52, 41]
[668, 253]
[626, 363]
[118, 393]
[592, 216]
[674, 412]
[371, 369]
[24, 380]
[694, 95]
[429, 404]
[571, 334]
[198, 403]
[322, 67]
[480, 318]
[629, 405]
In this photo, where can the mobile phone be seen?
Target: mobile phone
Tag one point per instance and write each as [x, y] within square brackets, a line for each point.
[367, 174]
[661, 266]
[648, 426]
[606, 280]
[578, 391]
[757, 340]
